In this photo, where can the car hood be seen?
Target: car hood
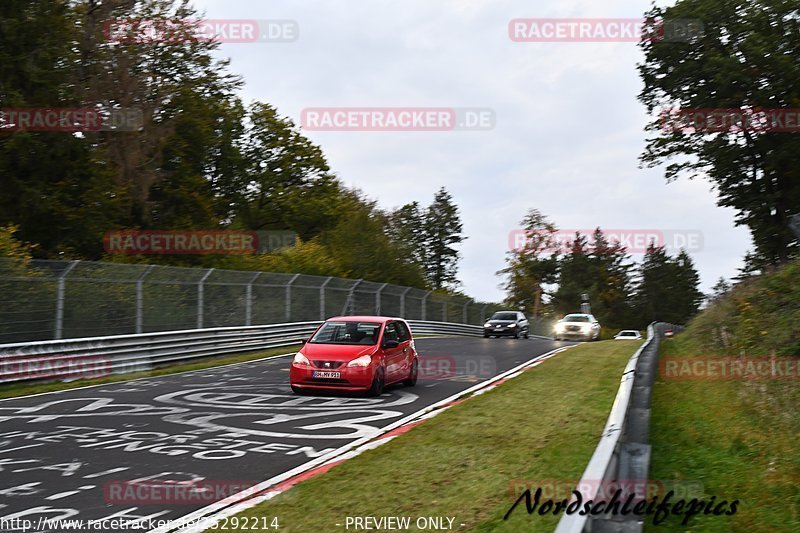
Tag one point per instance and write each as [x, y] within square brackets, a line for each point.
[575, 323]
[501, 322]
[336, 352]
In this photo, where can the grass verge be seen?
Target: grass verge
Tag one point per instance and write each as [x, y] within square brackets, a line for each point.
[23, 389]
[467, 462]
[736, 438]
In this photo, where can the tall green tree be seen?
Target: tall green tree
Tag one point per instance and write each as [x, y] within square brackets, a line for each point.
[668, 288]
[532, 266]
[443, 229]
[745, 58]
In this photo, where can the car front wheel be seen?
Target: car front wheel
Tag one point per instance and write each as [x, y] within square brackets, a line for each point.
[377, 383]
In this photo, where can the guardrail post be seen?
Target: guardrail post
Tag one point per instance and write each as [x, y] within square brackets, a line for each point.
[62, 284]
[200, 295]
[425, 304]
[289, 298]
[378, 299]
[403, 302]
[248, 301]
[322, 298]
[140, 298]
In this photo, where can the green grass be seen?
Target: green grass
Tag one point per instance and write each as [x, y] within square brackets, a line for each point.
[23, 389]
[739, 439]
[464, 463]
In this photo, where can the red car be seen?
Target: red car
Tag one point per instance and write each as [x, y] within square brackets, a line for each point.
[356, 353]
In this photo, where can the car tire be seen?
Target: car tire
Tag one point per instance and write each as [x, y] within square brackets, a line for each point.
[378, 382]
[527, 334]
[412, 377]
[485, 335]
[516, 334]
[297, 390]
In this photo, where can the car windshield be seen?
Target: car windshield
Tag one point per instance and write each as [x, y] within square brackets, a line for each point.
[627, 334]
[347, 332]
[576, 318]
[504, 316]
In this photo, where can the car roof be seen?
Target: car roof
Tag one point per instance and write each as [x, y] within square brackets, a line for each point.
[364, 318]
[629, 331]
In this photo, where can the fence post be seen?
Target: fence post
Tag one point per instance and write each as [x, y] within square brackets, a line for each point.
[62, 282]
[465, 313]
[200, 294]
[350, 296]
[444, 309]
[248, 301]
[425, 305]
[322, 298]
[483, 312]
[378, 299]
[140, 298]
[289, 298]
[403, 302]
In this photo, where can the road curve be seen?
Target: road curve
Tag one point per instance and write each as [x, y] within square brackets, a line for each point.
[160, 448]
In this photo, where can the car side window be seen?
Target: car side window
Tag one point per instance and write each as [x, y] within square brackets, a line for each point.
[390, 333]
[402, 331]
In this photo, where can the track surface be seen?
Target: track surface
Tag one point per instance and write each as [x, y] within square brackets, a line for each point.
[74, 454]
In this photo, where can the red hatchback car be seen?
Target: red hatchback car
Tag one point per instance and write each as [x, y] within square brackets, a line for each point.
[356, 353]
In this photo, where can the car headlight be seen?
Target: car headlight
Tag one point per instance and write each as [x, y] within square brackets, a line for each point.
[362, 361]
[512, 325]
[560, 327]
[586, 327]
[487, 325]
[300, 359]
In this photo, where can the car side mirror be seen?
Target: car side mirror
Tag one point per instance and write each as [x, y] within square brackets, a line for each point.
[391, 344]
[302, 341]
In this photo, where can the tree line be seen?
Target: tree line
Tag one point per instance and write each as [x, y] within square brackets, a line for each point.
[547, 279]
[202, 159]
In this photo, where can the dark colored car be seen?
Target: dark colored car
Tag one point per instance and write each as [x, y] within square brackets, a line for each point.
[506, 323]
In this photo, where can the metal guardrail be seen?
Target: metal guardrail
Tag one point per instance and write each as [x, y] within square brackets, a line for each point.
[623, 453]
[96, 356]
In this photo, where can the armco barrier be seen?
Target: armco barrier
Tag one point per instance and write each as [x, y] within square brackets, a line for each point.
[623, 452]
[75, 358]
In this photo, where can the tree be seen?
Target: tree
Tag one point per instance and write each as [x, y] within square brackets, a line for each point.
[442, 229]
[745, 59]
[720, 289]
[531, 266]
[406, 228]
[668, 288]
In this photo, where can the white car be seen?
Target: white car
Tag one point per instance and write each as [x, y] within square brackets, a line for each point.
[628, 335]
[577, 326]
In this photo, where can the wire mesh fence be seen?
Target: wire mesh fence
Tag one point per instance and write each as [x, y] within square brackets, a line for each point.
[43, 299]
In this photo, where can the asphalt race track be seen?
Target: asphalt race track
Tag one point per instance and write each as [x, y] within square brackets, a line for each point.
[76, 454]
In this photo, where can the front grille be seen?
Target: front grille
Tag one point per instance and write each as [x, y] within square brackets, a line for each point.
[327, 364]
[573, 328]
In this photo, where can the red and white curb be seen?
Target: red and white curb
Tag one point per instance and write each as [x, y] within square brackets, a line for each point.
[206, 517]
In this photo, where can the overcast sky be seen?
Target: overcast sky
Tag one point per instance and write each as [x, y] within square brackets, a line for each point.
[568, 131]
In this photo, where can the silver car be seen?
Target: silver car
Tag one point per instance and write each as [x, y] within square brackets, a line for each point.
[577, 326]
